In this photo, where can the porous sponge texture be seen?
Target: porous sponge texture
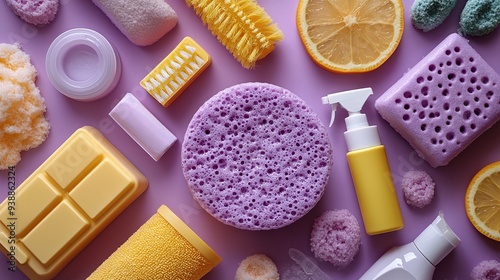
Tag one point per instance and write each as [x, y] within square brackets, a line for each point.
[155, 251]
[336, 237]
[143, 22]
[37, 12]
[255, 156]
[22, 121]
[257, 267]
[444, 102]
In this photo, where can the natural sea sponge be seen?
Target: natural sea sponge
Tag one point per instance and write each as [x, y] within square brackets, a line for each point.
[22, 122]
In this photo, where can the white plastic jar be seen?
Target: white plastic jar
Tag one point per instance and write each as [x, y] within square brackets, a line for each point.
[83, 65]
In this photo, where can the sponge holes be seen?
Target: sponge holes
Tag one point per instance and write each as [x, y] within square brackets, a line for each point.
[455, 49]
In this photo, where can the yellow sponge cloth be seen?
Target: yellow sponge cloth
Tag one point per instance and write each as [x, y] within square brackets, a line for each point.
[163, 248]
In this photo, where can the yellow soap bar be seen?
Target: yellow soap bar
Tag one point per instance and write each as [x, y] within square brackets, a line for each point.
[176, 72]
[59, 209]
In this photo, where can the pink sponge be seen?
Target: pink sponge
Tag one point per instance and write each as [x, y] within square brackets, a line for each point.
[33, 11]
[486, 270]
[143, 21]
[418, 188]
[444, 102]
[256, 157]
[336, 237]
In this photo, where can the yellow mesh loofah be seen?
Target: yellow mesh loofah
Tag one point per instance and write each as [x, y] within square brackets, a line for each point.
[242, 26]
[22, 122]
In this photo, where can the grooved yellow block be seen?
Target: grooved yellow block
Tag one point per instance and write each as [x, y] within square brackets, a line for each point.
[105, 174]
[176, 72]
[40, 196]
[69, 165]
[163, 248]
[66, 202]
[45, 242]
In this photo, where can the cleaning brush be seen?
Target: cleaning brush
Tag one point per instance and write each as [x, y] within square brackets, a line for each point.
[176, 72]
[242, 26]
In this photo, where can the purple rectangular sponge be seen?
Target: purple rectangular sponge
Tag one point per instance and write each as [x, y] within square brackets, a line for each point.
[444, 102]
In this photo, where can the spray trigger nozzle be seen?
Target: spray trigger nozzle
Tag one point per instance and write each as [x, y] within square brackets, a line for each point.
[351, 100]
[334, 108]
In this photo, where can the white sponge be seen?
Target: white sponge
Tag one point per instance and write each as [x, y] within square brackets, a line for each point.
[143, 21]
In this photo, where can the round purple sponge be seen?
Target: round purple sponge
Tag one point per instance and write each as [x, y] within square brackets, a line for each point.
[486, 270]
[336, 237]
[256, 157]
[418, 188]
[36, 12]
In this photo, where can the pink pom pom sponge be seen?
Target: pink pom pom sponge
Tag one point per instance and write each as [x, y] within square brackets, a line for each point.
[336, 237]
[418, 188]
[486, 270]
[37, 12]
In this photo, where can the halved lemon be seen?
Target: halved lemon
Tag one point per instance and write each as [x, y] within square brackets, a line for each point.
[350, 36]
[482, 201]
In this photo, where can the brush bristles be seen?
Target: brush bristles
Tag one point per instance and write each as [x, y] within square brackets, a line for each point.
[242, 26]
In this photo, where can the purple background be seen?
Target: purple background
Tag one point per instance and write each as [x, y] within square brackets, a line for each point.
[290, 67]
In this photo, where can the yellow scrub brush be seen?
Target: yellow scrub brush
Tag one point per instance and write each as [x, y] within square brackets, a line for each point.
[242, 26]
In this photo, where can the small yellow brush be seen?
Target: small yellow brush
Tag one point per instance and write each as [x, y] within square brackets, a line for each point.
[242, 26]
[176, 72]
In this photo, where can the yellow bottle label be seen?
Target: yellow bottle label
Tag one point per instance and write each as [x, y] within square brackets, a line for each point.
[377, 197]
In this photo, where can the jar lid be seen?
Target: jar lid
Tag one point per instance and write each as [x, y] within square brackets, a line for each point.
[82, 64]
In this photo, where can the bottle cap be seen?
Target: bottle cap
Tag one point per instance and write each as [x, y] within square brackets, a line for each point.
[437, 240]
[82, 64]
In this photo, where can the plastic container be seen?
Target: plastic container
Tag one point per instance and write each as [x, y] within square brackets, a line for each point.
[83, 65]
[416, 260]
[367, 160]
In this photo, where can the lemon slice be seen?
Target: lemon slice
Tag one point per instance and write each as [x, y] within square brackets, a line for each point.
[350, 36]
[482, 201]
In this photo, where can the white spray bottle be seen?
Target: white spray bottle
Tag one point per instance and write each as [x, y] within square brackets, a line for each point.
[416, 260]
[367, 160]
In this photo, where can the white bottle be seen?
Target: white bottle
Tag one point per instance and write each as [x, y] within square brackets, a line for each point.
[416, 260]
